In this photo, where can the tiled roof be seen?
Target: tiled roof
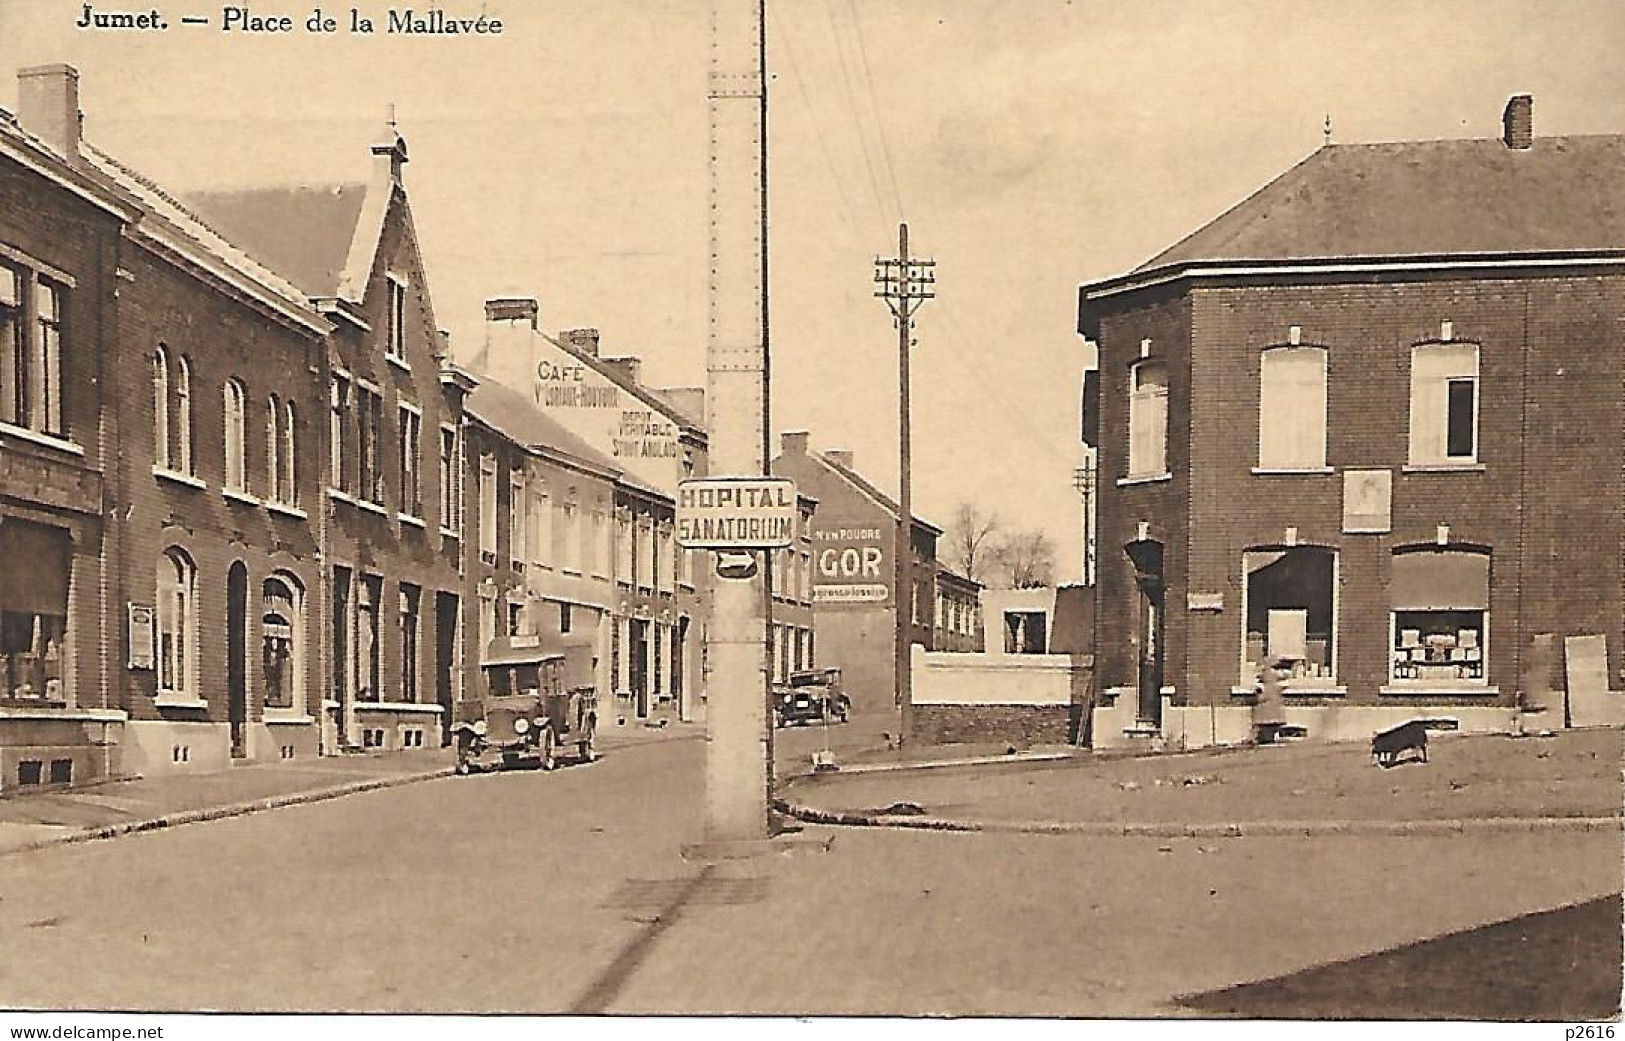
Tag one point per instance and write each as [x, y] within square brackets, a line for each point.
[512, 414]
[304, 232]
[885, 501]
[1425, 198]
[204, 238]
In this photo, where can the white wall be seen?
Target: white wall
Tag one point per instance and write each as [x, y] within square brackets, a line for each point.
[946, 678]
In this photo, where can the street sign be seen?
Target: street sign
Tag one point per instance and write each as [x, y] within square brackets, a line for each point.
[737, 565]
[736, 513]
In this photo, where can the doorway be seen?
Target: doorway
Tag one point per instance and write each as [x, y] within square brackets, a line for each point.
[447, 629]
[237, 657]
[1146, 555]
[638, 663]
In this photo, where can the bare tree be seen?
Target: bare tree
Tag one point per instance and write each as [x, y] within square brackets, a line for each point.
[969, 534]
[1024, 559]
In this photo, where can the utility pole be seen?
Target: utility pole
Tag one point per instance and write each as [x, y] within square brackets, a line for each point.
[1083, 479]
[904, 283]
[739, 735]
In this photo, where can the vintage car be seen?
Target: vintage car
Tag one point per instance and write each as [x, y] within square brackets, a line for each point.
[534, 702]
[814, 696]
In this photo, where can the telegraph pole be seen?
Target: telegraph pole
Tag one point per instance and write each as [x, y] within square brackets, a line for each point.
[739, 736]
[904, 283]
[1083, 479]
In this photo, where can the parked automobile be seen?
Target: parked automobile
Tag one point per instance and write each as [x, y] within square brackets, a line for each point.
[813, 696]
[533, 703]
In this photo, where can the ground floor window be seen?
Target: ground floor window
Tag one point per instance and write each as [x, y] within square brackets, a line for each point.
[177, 624]
[368, 654]
[1291, 613]
[31, 655]
[1440, 615]
[410, 620]
[279, 638]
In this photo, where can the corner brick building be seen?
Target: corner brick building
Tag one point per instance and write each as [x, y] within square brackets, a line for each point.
[1369, 425]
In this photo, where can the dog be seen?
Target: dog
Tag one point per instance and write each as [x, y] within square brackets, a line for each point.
[1388, 744]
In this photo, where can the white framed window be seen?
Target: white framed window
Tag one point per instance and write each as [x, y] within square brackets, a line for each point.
[31, 306]
[183, 459]
[395, 318]
[282, 627]
[623, 546]
[1444, 404]
[451, 504]
[1289, 614]
[1148, 419]
[368, 652]
[160, 408]
[235, 403]
[290, 456]
[1292, 408]
[273, 449]
[410, 626]
[535, 514]
[1439, 616]
[488, 509]
[592, 537]
[410, 450]
[518, 519]
[569, 539]
[340, 449]
[370, 417]
[177, 626]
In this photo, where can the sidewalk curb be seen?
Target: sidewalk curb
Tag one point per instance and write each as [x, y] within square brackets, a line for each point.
[1237, 829]
[981, 760]
[237, 809]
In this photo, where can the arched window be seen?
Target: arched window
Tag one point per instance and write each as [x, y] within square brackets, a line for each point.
[183, 416]
[290, 455]
[282, 635]
[1440, 601]
[160, 408]
[177, 626]
[1148, 419]
[236, 462]
[1292, 408]
[273, 448]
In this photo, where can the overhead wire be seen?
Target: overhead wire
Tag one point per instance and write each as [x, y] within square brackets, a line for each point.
[851, 104]
[812, 115]
[874, 104]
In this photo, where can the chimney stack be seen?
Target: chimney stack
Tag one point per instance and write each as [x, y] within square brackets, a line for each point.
[511, 343]
[1518, 122]
[583, 340]
[629, 367]
[841, 457]
[793, 442]
[48, 106]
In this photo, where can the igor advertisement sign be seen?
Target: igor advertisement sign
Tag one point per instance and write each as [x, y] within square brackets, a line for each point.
[849, 566]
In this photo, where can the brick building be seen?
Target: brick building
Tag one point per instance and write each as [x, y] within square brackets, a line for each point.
[959, 612]
[394, 615]
[1368, 425]
[654, 438]
[543, 508]
[854, 532]
[61, 244]
[793, 646]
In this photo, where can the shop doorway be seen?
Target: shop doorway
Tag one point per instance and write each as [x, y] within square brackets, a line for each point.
[638, 663]
[1146, 555]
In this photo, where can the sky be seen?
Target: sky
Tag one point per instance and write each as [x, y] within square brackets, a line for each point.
[1031, 145]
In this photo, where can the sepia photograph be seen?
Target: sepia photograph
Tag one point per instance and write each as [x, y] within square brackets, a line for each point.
[761, 515]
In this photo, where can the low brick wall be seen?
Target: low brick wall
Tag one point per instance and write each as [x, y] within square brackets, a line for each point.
[1019, 725]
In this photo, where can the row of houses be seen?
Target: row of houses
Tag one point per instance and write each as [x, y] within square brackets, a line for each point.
[252, 507]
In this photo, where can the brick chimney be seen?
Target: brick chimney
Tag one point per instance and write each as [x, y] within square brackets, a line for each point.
[629, 367]
[841, 457]
[583, 340]
[511, 343]
[1518, 122]
[793, 442]
[48, 106]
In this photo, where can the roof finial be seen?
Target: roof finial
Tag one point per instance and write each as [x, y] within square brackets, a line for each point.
[392, 115]
[1328, 128]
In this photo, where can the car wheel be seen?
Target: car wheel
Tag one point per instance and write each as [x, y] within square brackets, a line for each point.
[549, 760]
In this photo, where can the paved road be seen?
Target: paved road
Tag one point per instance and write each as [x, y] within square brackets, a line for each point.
[564, 892]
